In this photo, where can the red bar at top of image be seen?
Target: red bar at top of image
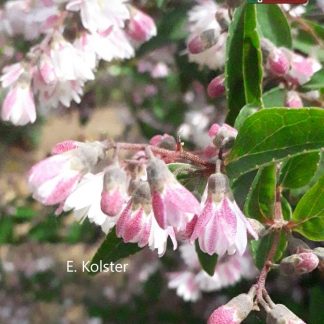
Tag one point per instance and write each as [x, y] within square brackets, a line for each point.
[283, 1]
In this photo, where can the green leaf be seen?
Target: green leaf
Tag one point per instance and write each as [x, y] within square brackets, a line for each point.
[316, 82]
[6, 229]
[234, 65]
[113, 249]
[261, 198]
[272, 134]
[244, 113]
[207, 262]
[273, 25]
[309, 213]
[286, 209]
[299, 170]
[241, 187]
[252, 59]
[274, 98]
[260, 249]
[316, 305]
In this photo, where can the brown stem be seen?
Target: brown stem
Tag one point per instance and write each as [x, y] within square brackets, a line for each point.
[267, 265]
[276, 238]
[173, 155]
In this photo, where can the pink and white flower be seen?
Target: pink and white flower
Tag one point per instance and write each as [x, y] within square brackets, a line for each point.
[299, 263]
[85, 202]
[301, 68]
[54, 178]
[137, 224]
[221, 227]
[173, 204]
[19, 106]
[293, 100]
[98, 16]
[191, 282]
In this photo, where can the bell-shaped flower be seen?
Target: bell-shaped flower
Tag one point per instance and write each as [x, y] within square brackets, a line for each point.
[19, 106]
[85, 201]
[114, 192]
[221, 227]
[173, 204]
[98, 16]
[278, 62]
[54, 178]
[137, 224]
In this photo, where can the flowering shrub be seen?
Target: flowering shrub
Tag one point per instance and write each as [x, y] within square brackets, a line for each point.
[244, 184]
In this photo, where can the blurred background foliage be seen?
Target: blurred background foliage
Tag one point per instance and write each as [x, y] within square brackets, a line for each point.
[126, 104]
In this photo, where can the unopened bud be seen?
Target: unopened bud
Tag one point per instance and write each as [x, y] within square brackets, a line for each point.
[216, 87]
[234, 312]
[203, 41]
[278, 62]
[114, 190]
[141, 27]
[280, 314]
[319, 252]
[164, 141]
[298, 264]
[293, 100]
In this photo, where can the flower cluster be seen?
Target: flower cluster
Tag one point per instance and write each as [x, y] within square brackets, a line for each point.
[56, 68]
[141, 196]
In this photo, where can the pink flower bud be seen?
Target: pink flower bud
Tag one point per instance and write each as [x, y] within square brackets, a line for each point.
[280, 314]
[202, 42]
[164, 141]
[293, 100]
[319, 252]
[298, 264]
[278, 62]
[141, 27]
[234, 312]
[114, 191]
[216, 87]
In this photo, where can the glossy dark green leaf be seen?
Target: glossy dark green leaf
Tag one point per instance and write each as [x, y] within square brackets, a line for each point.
[274, 98]
[252, 59]
[286, 209]
[299, 170]
[113, 249]
[234, 65]
[244, 113]
[316, 314]
[241, 187]
[317, 81]
[309, 213]
[273, 25]
[261, 198]
[260, 249]
[272, 134]
[207, 262]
